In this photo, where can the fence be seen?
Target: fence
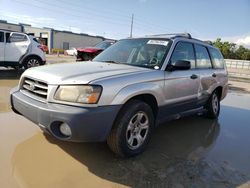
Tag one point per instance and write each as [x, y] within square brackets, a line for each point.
[238, 68]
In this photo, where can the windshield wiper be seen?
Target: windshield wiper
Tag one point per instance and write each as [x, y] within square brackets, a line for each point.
[111, 61]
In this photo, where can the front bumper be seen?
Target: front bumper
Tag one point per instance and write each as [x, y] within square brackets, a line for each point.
[87, 124]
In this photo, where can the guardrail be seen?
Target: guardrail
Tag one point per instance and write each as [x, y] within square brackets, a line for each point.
[238, 68]
[237, 64]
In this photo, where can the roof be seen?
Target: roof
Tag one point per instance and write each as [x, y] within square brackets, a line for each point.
[179, 35]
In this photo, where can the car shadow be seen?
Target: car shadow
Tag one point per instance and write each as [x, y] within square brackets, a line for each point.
[10, 74]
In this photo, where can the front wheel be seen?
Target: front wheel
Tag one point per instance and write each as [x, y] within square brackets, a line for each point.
[132, 129]
[213, 106]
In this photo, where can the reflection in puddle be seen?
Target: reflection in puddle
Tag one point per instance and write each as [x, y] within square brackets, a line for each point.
[64, 164]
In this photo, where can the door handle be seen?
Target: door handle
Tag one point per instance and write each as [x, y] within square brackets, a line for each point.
[193, 76]
[213, 75]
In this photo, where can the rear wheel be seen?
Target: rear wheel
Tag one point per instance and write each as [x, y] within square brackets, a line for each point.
[213, 105]
[32, 62]
[132, 129]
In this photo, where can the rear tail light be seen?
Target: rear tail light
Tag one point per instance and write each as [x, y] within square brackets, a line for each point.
[41, 48]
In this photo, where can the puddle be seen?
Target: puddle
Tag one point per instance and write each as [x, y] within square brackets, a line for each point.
[190, 152]
[5, 87]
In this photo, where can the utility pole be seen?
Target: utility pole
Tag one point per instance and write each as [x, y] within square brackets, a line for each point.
[131, 29]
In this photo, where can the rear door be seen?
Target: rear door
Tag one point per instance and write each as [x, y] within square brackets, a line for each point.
[181, 86]
[219, 69]
[16, 47]
[2, 47]
[207, 75]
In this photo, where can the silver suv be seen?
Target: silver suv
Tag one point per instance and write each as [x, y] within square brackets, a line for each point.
[125, 92]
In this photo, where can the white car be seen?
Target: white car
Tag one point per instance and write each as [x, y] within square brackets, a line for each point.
[72, 51]
[20, 50]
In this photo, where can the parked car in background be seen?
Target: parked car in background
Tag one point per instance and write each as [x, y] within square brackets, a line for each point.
[125, 92]
[19, 50]
[72, 51]
[88, 53]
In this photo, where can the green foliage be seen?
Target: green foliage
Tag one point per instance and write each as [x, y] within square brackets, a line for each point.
[231, 51]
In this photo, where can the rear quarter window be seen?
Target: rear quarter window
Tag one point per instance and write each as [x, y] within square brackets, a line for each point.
[217, 58]
[16, 37]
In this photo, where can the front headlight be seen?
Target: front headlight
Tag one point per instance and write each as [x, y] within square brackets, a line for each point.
[78, 94]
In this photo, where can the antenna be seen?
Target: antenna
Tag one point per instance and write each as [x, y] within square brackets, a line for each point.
[131, 29]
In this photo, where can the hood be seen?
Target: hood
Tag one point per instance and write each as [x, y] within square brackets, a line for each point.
[80, 72]
[89, 49]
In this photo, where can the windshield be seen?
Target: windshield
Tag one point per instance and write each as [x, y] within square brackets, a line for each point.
[104, 44]
[144, 52]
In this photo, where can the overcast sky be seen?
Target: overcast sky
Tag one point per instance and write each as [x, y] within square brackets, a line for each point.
[204, 19]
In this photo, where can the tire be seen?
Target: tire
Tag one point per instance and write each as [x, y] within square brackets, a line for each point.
[213, 106]
[132, 129]
[31, 62]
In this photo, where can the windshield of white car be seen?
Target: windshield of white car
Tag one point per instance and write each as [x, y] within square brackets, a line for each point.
[141, 52]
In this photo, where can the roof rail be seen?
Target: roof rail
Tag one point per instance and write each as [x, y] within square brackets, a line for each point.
[186, 35]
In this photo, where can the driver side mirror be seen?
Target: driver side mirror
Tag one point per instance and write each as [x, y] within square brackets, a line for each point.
[180, 65]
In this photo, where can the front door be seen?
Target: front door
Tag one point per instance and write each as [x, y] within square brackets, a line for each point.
[16, 47]
[181, 86]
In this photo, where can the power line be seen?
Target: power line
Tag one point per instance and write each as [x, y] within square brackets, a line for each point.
[62, 11]
[57, 8]
[143, 22]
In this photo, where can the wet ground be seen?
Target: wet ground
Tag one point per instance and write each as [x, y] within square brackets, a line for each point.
[189, 152]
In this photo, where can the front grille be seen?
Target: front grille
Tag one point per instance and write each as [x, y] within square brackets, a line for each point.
[35, 87]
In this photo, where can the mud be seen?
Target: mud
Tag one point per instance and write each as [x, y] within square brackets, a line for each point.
[189, 152]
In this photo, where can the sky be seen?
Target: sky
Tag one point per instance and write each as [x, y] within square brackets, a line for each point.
[204, 19]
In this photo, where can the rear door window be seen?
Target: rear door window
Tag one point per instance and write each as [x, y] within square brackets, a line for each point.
[217, 58]
[184, 51]
[202, 57]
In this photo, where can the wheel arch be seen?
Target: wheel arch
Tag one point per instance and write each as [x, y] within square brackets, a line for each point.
[219, 90]
[24, 59]
[148, 98]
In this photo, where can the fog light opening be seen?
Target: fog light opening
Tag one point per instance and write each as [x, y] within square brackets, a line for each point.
[65, 129]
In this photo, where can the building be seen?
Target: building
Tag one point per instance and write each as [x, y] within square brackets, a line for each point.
[9, 26]
[54, 39]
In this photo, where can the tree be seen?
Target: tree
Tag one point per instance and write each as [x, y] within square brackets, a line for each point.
[242, 53]
[231, 51]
